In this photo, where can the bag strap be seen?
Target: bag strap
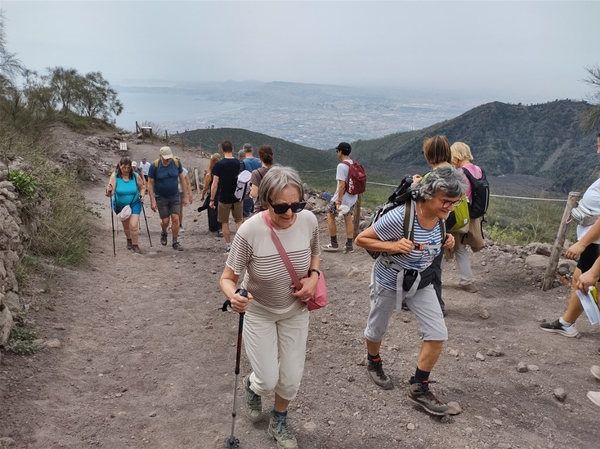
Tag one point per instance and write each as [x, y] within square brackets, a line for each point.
[282, 253]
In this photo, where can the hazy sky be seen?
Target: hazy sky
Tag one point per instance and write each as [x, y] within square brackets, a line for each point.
[510, 51]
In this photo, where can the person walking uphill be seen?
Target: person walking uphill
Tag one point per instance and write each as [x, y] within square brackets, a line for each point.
[224, 183]
[342, 201]
[405, 274]
[276, 321]
[163, 178]
[129, 190]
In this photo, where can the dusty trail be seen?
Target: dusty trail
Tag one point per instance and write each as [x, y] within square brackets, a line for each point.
[147, 360]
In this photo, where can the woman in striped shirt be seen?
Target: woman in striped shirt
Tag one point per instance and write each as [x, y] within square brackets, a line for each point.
[276, 321]
[406, 274]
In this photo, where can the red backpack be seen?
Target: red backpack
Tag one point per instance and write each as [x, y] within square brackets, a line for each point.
[357, 178]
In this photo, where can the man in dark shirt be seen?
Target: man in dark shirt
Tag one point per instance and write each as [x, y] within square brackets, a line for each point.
[164, 193]
[225, 174]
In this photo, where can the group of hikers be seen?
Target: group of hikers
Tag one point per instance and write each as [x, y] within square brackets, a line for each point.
[272, 269]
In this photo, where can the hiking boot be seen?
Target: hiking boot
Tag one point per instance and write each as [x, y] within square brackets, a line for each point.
[375, 370]
[252, 402]
[471, 288]
[419, 394]
[129, 244]
[177, 246]
[348, 249]
[331, 248]
[557, 327]
[595, 370]
[136, 249]
[594, 396]
[163, 238]
[279, 429]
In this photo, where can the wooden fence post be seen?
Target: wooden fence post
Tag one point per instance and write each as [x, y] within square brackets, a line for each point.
[356, 217]
[197, 177]
[560, 241]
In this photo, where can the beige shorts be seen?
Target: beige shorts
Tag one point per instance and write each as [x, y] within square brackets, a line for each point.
[225, 209]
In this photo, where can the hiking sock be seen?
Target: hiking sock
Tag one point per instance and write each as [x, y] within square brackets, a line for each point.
[174, 240]
[334, 241]
[374, 358]
[564, 323]
[276, 413]
[420, 377]
[228, 246]
[349, 242]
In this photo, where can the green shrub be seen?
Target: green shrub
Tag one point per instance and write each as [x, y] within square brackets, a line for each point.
[22, 341]
[25, 184]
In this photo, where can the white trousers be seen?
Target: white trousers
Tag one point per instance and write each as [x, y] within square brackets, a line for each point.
[276, 347]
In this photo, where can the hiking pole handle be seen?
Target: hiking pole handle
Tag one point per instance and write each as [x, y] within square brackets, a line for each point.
[227, 303]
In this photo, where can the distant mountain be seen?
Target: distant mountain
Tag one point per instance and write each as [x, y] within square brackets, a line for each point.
[542, 140]
[310, 162]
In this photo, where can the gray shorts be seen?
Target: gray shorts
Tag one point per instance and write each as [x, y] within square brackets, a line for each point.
[167, 206]
[424, 304]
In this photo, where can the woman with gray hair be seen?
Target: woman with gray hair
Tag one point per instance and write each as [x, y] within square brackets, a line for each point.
[276, 321]
[404, 273]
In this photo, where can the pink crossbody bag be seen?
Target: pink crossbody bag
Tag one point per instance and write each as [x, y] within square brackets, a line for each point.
[319, 300]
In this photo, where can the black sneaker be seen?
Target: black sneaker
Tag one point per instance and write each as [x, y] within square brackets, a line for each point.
[375, 370]
[129, 244]
[419, 394]
[177, 246]
[163, 238]
[557, 327]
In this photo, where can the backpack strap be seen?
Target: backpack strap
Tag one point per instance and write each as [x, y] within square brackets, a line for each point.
[174, 160]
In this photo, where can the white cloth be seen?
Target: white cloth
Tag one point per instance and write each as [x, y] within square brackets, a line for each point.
[145, 167]
[591, 199]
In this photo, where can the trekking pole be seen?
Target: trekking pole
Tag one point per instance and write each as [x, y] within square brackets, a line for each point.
[232, 442]
[146, 220]
[112, 222]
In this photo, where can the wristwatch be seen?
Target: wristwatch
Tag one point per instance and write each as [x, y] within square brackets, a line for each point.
[315, 270]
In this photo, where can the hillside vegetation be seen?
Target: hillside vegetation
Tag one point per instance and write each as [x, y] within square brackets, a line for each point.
[542, 140]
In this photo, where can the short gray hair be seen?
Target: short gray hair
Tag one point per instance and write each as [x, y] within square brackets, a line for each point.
[277, 179]
[443, 179]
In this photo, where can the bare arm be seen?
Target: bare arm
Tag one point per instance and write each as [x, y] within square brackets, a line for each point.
[189, 188]
[590, 237]
[213, 190]
[206, 186]
[110, 187]
[368, 239]
[151, 194]
[228, 285]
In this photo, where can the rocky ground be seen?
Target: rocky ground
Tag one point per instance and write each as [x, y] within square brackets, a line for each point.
[143, 358]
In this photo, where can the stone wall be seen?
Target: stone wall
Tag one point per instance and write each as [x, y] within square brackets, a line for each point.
[17, 223]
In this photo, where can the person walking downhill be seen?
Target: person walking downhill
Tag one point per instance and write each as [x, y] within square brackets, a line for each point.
[145, 166]
[585, 251]
[224, 183]
[213, 223]
[342, 202]
[129, 190]
[163, 177]
[406, 275]
[276, 321]
[461, 159]
[265, 154]
[251, 163]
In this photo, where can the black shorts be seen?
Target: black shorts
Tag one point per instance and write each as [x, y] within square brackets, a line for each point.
[588, 257]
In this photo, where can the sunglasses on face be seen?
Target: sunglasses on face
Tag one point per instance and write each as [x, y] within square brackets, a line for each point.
[280, 209]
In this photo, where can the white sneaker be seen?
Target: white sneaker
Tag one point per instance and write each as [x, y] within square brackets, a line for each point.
[595, 370]
[594, 396]
[330, 248]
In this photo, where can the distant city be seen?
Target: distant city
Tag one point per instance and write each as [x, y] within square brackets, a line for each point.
[318, 116]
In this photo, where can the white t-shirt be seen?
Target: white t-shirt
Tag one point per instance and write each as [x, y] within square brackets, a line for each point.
[341, 174]
[184, 172]
[591, 199]
[267, 278]
[145, 167]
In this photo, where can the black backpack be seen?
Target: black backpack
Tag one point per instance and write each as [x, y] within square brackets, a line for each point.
[480, 194]
[407, 195]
